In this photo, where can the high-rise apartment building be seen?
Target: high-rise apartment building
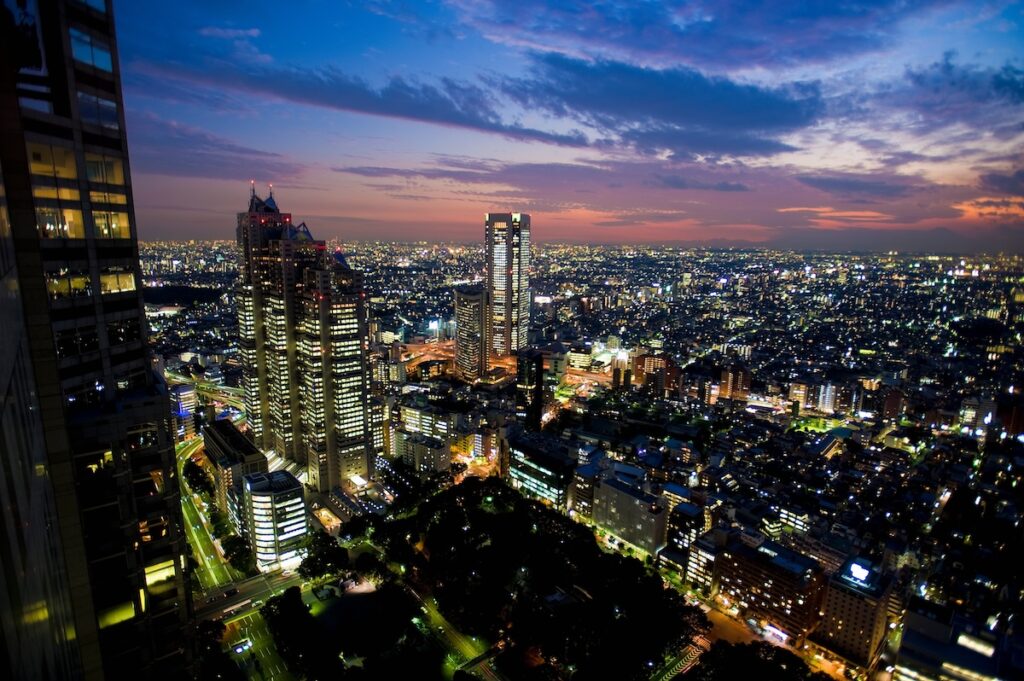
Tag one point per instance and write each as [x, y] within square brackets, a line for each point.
[735, 383]
[107, 449]
[232, 456]
[472, 332]
[774, 585]
[530, 387]
[508, 280]
[631, 514]
[303, 334]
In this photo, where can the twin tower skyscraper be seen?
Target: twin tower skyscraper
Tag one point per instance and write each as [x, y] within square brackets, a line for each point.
[303, 343]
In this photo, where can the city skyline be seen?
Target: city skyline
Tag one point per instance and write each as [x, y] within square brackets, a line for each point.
[893, 126]
[745, 402]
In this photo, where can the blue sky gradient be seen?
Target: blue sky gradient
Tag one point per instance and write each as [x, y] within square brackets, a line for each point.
[870, 125]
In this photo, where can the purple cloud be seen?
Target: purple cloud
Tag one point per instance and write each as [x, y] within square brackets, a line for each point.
[870, 186]
[449, 102]
[679, 110]
[679, 182]
[946, 92]
[721, 36]
[1008, 183]
[165, 147]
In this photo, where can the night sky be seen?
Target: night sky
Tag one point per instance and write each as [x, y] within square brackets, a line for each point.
[832, 124]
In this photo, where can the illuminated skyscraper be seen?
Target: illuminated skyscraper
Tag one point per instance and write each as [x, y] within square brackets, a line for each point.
[99, 490]
[472, 337]
[508, 280]
[302, 328]
[333, 364]
[274, 255]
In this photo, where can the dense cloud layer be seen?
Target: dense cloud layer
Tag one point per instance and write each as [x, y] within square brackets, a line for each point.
[674, 121]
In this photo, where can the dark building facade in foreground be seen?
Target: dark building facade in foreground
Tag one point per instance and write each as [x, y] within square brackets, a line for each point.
[115, 600]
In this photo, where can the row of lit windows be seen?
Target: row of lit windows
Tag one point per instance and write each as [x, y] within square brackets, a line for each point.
[65, 284]
[67, 223]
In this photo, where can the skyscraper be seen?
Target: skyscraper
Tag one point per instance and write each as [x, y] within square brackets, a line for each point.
[472, 337]
[34, 591]
[508, 280]
[302, 329]
[274, 256]
[107, 451]
[335, 374]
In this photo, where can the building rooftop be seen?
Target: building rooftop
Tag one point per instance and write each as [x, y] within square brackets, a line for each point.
[272, 481]
[231, 445]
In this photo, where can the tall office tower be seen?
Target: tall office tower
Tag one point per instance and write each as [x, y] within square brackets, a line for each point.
[34, 592]
[508, 280]
[472, 337]
[335, 376]
[302, 326]
[274, 255]
[108, 451]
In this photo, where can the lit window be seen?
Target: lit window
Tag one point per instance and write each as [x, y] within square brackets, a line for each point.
[110, 225]
[64, 284]
[59, 223]
[55, 193]
[116, 281]
[52, 161]
[108, 197]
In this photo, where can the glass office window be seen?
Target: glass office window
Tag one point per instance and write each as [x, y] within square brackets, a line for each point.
[90, 50]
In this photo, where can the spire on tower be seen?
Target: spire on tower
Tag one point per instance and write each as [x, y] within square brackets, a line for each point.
[270, 189]
[252, 188]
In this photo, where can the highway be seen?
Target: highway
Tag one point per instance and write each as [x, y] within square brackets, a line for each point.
[219, 393]
[212, 570]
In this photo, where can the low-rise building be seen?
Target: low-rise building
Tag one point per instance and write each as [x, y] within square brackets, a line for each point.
[232, 456]
[630, 514]
[539, 467]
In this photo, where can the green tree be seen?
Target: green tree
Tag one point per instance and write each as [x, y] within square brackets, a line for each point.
[324, 557]
[238, 553]
[197, 478]
[307, 650]
[221, 528]
[214, 663]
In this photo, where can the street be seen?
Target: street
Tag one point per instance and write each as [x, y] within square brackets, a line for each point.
[262, 660]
